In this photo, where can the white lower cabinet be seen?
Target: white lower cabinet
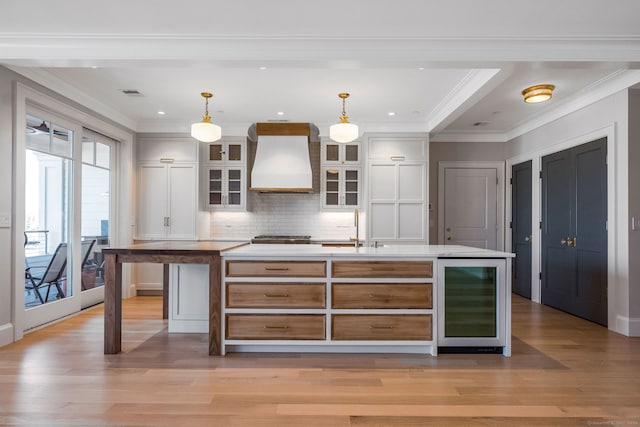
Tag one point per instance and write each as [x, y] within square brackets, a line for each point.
[189, 298]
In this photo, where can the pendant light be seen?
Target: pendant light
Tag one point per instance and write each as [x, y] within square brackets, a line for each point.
[206, 131]
[344, 131]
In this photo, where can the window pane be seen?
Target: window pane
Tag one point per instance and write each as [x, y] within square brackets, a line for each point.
[103, 155]
[94, 223]
[38, 133]
[47, 201]
[87, 150]
[61, 141]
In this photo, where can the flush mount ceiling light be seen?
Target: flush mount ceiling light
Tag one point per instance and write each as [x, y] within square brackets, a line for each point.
[344, 131]
[206, 131]
[537, 93]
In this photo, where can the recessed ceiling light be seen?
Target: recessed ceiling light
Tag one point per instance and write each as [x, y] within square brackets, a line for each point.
[391, 113]
[162, 113]
[263, 68]
[280, 113]
[420, 68]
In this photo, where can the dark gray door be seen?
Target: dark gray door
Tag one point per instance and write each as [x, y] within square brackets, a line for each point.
[521, 228]
[574, 233]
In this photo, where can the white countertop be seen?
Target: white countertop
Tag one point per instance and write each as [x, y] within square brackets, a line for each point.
[391, 251]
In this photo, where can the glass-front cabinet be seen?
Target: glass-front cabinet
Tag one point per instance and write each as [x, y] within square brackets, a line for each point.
[341, 175]
[224, 169]
[341, 187]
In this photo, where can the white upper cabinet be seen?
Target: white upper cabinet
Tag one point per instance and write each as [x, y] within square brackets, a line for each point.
[397, 148]
[227, 151]
[167, 201]
[397, 190]
[341, 178]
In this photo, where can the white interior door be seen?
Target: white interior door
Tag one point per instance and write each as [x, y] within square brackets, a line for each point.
[470, 215]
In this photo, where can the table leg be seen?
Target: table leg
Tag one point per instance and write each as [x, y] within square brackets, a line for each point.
[214, 306]
[165, 291]
[112, 304]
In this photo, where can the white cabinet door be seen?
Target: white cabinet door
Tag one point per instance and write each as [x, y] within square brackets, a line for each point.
[341, 187]
[397, 202]
[152, 201]
[182, 201]
[189, 298]
[225, 188]
[167, 201]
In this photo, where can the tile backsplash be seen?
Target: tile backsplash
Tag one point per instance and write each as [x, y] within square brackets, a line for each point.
[284, 214]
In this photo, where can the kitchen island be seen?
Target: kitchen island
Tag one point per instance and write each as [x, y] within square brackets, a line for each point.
[167, 253]
[404, 298]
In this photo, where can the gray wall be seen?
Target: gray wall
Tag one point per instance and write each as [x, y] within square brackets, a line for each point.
[6, 206]
[455, 151]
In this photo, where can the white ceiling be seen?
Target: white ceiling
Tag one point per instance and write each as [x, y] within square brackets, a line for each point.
[454, 68]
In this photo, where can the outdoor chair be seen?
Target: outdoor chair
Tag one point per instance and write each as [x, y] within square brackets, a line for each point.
[52, 275]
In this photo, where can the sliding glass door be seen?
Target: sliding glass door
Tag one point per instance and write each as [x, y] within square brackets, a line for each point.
[97, 160]
[48, 223]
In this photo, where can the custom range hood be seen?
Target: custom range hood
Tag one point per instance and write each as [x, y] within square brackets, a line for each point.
[282, 163]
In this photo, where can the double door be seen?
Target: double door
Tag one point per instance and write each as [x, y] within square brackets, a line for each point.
[574, 231]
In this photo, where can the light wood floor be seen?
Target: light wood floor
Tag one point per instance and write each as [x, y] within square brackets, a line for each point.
[564, 372]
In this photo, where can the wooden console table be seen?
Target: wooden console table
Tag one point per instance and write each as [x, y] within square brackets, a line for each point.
[170, 252]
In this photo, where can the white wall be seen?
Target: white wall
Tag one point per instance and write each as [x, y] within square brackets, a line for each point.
[607, 117]
[634, 210]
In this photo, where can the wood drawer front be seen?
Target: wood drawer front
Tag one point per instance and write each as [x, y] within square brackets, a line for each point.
[382, 295]
[276, 269]
[400, 327]
[364, 269]
[275, 295]
[275, 327]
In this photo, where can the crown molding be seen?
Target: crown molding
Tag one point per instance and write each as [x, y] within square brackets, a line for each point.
[61, 87]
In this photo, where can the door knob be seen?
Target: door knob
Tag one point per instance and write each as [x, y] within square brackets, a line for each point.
[565, 241]
[527, 238]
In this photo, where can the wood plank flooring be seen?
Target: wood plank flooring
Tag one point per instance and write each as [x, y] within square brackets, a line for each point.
[564, 372]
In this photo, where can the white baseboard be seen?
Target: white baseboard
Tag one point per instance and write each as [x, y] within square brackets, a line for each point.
[6, 334]
[629, 326]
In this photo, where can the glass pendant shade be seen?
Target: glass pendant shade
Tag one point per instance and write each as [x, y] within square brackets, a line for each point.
[343, 132]
[206, 131]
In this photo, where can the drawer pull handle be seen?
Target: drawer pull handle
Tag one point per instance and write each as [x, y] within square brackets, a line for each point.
[276, 327]
[381, 327]
[380, 296]
[282, 295]
[276, 268]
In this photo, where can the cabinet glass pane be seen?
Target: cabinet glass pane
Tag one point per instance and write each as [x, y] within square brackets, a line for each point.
[234, 199]
[215, 198]
[234, 174]
[234, 186]
[351, 199]
[215, 174]
[332, 153]
[470, 301]
[332, 175]
[215, 185]
[215, 151]
[351, 187]
[351, 153]
[351, 175]
[235, 152]
[332, 199]
[332, 186]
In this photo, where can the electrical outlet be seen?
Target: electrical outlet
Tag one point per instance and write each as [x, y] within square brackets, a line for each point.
[5, 220]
